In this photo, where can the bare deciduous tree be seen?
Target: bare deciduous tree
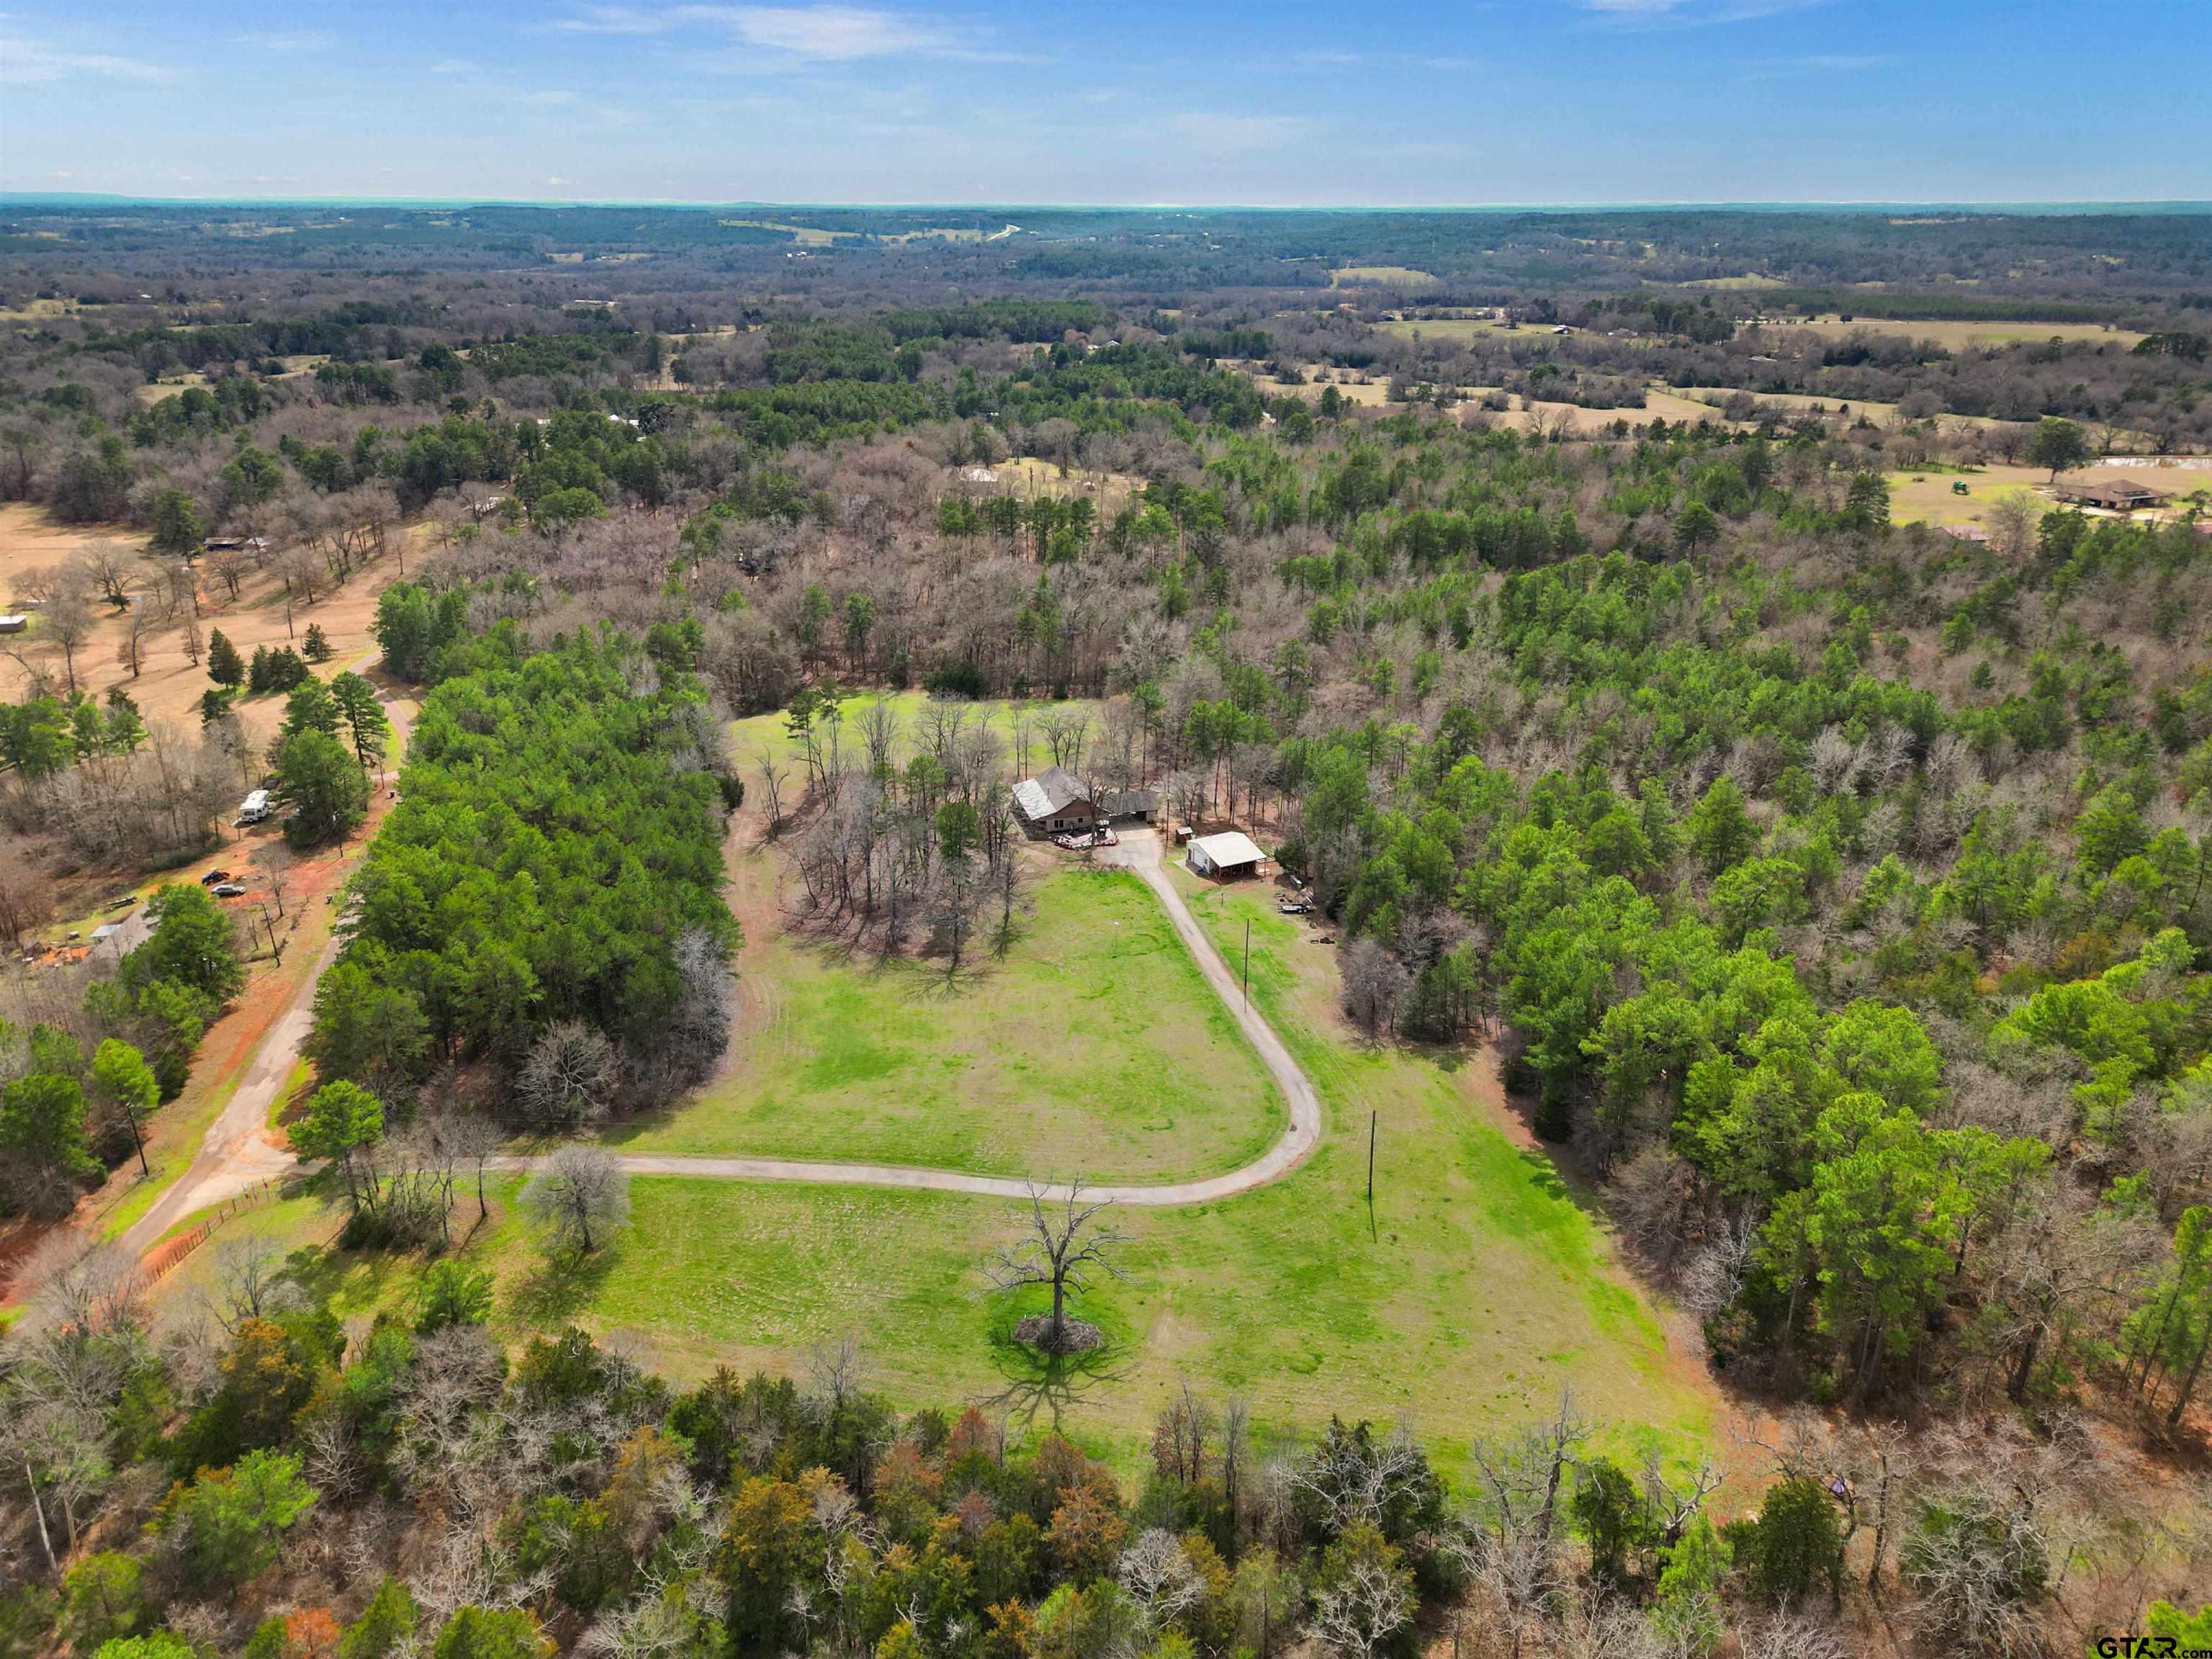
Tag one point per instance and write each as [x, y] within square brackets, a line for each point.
[570, 1075]
[1063, 1243]
[578, 1197]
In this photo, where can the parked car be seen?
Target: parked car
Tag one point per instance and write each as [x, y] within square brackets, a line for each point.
[213, 876]
[1296, 907]
[230, 890]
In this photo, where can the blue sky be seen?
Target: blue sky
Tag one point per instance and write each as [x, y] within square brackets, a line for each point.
[1283, 104]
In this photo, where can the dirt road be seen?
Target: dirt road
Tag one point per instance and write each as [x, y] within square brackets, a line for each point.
[235, 1153]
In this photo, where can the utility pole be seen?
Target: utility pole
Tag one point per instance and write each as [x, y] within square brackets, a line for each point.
[1372, 1234]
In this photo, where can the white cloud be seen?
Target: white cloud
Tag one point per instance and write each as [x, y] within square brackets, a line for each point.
[1691, 12]
[616, 20]
[836, 34]
[286, 45]
[32, 63]
[1235, 135]
[811, 33]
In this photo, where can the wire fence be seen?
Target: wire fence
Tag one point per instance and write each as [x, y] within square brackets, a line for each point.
[157, 1262]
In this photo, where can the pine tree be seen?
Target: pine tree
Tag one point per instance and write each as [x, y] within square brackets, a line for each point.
[224, 666]
[316, 648]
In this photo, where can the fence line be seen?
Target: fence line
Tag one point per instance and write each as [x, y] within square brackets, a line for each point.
[158, 1261]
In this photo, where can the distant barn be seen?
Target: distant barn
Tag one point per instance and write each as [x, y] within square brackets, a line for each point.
[2112, 495]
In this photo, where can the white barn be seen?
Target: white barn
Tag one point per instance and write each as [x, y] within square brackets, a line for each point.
[1228, 854]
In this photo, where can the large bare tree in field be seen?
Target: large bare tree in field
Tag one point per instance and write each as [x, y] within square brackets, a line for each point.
[579, 1197]
[1065, 1240]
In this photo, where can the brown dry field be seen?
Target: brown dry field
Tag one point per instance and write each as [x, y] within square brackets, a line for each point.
[1025, 475]
[1843, 408]
[1381, 276]
[1963, 336]
[1370, 394]
[167, 687]
[1659, 405]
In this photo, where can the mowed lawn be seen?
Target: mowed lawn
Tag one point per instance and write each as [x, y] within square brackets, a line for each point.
[1008, 721]
[1483, 1289]
[1092, 1047]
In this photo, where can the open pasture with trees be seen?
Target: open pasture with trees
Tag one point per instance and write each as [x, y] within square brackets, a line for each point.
[1092, 1044]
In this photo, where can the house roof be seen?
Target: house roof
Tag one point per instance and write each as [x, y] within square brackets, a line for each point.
[2128, 487]
[1120, 803]
[1052, 790]
[1229, 848]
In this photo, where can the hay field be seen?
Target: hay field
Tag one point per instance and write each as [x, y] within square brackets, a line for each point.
[1381, 276]
[1959, 336]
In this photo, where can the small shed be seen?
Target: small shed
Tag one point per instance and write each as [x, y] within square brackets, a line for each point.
[13, 624]
[1231, 852]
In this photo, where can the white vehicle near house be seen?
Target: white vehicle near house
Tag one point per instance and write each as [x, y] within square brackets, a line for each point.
[255, 808]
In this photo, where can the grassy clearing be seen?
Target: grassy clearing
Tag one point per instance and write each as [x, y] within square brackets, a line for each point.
[1009, 720]
[1483, 1288]
[1954, 336]
[1094, 1046]
[1381, 276]
[1452, 328]
[1925, 497]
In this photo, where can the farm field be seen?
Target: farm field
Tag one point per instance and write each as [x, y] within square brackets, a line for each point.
[1954, 336]
[1092, 1047]
[1381, 276]
[1924, 497]
[167, 687]
[1849, 410]
[1927, 498]
[1455, 328]
[1371, 393]
[1658, 405]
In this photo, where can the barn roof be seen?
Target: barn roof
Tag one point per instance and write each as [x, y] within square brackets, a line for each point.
[1228, 849]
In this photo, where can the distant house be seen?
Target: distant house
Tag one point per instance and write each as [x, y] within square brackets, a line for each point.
[1228, 854]
[1053, 801]
[978, 475]
[14, 625]
[2112, 495]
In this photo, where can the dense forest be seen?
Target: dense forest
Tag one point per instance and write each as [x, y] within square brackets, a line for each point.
[1833, 888]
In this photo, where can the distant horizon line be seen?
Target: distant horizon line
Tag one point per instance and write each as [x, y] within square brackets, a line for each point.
[1865, 205]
